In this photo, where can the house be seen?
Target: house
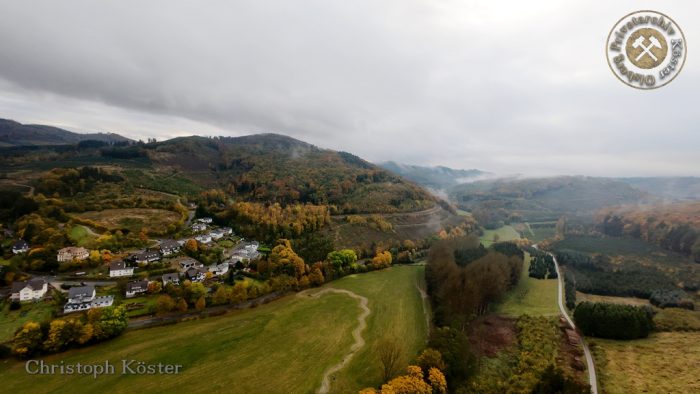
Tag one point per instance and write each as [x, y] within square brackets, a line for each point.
[196, 274]
[187, 263]
[216, 234]
[20, 247]
[205, 220]
[173, 278]
[204, 238]
[147, 257]
[34, 289]
[83, 298]
[119, 268]
[136, 287]
[72, 253]
[197, 227]
[169, 247]
[218, 269]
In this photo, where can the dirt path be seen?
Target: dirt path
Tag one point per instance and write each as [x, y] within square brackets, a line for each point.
[426, 308]
[356, 333]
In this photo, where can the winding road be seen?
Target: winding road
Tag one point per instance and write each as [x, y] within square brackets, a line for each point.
[592, 378]
[356, 333]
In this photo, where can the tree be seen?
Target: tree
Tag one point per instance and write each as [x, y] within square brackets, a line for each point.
[62, 333]
[342, 258]
[316, 276]
[221, 296]
[454, 347]
[283, 259]
[382, 260]
[155, 287]
[200, 304]
[412, 383]
[431, 358]
[27, 340]
[164, 304]
[389, 353]
[239, 292]
[182, 305]
[191, 245]
[112, 322]
[437, 381]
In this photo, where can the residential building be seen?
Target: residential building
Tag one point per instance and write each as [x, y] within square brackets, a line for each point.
[34, 289]
[173, 278]
[20, 247]
[136, 287]
[198, 227]
[84, 298]
[72, 253]
[187, 263]
[118, 269]
[218, 269]
[169, 247]
[196, 274]
[147, 257]
[205, 220]
[204, 238]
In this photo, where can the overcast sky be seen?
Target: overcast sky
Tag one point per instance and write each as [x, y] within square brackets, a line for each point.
[503, 86]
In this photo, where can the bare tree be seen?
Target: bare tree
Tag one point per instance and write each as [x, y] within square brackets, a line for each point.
[389, 353]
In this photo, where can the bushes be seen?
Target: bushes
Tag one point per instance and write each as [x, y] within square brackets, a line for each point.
[613, 321]
[542, 267]
[671, 299]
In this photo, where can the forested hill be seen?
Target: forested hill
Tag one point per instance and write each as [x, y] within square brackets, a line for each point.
[438, 177]
[277, 168]
[264, 168]
[16, 134]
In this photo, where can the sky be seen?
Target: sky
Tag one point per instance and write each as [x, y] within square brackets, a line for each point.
[503, 86]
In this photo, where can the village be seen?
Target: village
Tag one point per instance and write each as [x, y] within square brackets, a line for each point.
[136, 277]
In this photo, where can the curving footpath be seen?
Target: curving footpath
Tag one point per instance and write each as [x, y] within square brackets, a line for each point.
[592, 378]
[356, 333]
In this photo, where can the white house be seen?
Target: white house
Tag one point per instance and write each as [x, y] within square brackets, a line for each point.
[197, 227]
[136, 287]
[173, 278]
[84, 298]
[70, 253]
[169, 247]
[188, 263]
[196, 274]
[119, 269]
[204, 220]
[218, 269]
[216, 235]
[147, 257]
[204, 238]
[34, 289]
[20, 247]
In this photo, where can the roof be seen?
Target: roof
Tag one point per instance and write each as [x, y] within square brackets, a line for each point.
[34, 284]
[82, 291]
[195, 270]
[171, 277]
[73, 250]
[169, 244]
[137, 285]
[117, 265]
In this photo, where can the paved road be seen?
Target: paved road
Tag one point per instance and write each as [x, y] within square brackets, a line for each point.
[592, 378]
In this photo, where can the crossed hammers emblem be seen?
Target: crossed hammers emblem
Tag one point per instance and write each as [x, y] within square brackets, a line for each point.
[646, 50]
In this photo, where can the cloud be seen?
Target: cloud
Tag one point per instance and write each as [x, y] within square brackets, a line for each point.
[503, 86]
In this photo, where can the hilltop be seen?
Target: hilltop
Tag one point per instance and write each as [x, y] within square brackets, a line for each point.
[438, 177]
[16, 134]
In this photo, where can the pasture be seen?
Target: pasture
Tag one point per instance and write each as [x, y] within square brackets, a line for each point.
[281, 347]
[132, 219]
[505, 233]
[531, 296]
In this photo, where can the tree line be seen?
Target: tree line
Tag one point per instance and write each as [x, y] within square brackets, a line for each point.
[614, 321]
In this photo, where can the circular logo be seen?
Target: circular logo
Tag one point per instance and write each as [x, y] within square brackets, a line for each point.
[646, 49]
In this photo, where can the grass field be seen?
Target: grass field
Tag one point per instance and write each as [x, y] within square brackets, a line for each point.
[663, 363]
[132, 219]
[11, 320]
[281, 347]
[80, 235]
[580, 297]
[531, 296]
[505, 233]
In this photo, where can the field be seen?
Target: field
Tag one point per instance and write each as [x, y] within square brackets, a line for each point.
[662, 363]
[132, 219]
[580, 297]
[11, 320]
[281, 347]
[81, 235]
[531, 296]
[505, 233]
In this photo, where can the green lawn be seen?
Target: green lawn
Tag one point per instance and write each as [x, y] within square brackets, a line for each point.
[505, 233]
[531, 296]
[147, 301]
[80, 235]
[663, 363]
[10, 321]
[281, 347]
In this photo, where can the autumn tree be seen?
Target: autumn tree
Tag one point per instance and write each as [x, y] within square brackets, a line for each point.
[431, 358]
[221, 296]
[239, 292]
[382, 260]
[200, 304]
[164, 304]
[27, 340]
[182, 305]
[316, 275]
[283, 259]
[191, 245]
[154, 287]
[389, 353]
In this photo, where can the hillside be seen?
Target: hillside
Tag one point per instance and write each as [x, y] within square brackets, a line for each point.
[676, 188]
[16, 134]
[438, 177]
[538, 199]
